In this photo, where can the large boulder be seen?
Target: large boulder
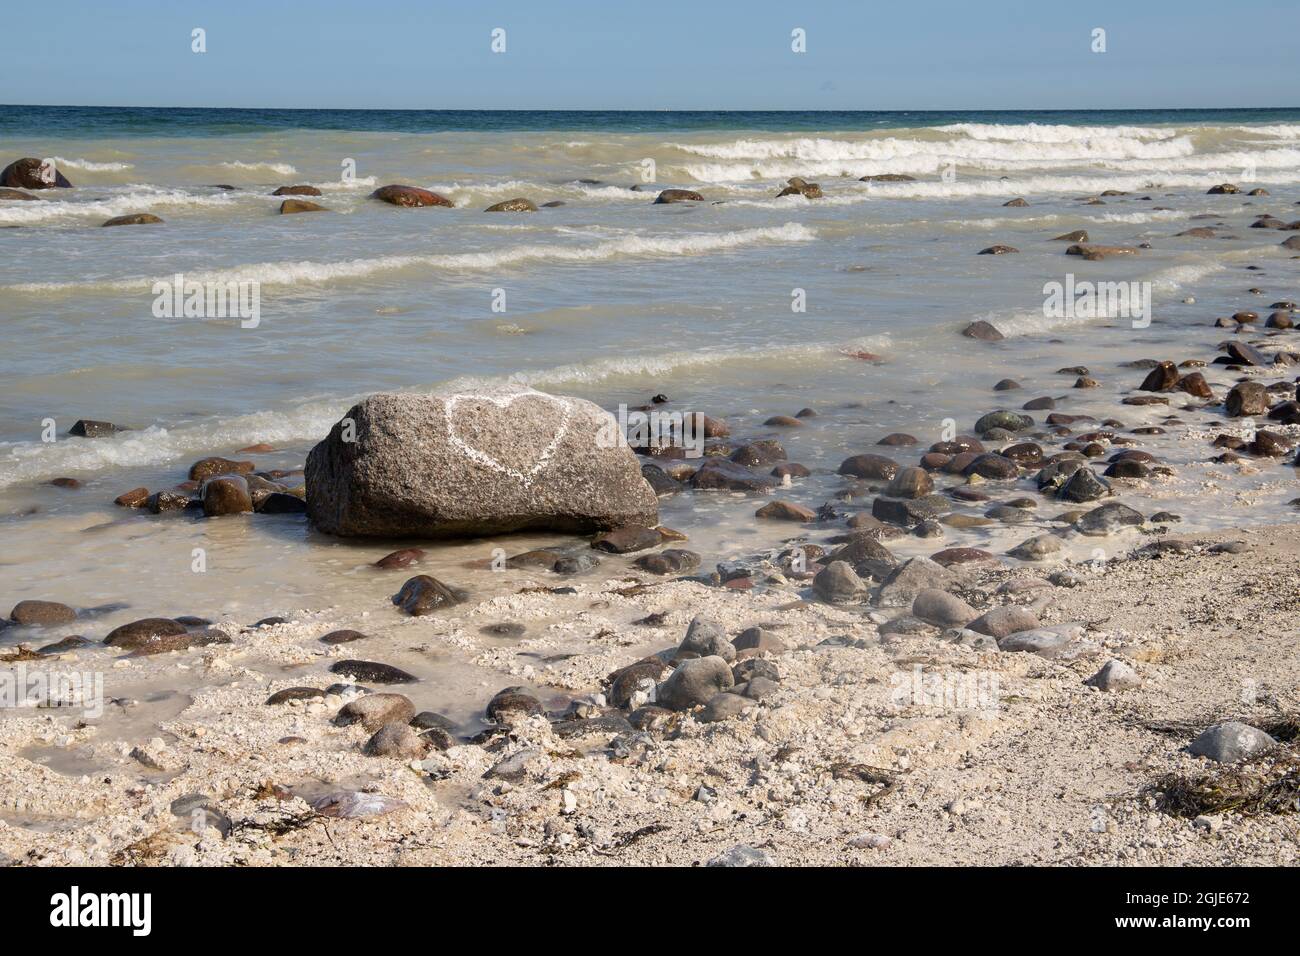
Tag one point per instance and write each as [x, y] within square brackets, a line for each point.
[32, 174]
[467, 464]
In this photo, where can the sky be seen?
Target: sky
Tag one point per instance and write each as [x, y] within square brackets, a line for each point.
[626, 54]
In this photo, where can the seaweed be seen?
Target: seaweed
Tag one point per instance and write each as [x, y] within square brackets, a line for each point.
[1267, 785]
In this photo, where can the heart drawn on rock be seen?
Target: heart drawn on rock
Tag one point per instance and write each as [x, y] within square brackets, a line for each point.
[532, 447]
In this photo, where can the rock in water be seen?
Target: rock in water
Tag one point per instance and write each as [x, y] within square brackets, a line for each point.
[33, 174]
[409, 196]
[468, 464]
[423, 595]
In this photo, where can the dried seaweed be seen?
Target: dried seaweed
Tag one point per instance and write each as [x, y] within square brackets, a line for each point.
[1268, 785]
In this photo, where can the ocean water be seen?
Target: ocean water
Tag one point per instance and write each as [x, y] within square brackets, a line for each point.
[607, 296]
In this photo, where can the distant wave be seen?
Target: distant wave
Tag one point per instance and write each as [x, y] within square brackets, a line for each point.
[90, 166]
[310, 273]
[283, 169]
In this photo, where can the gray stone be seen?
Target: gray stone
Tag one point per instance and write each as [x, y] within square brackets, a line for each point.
[909, 579]
[1036, 548]
[838, 583]
[1115, 675]
[1044, 643]
[725, 706]
[694, 682]
[1003, 621]
[375, 710]
[396, 740]
[1229, 741]
[705, 638]
[1084, 485]
[942, 609]
[492, 462]
[1107, 519]
[743, 855]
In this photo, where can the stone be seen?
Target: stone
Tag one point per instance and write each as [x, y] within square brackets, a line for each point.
[1245, 399]
[785, 511]
[910, 482]
[910, 578]
[1037, 548]
[226, 495]
[1044, 643]
[135, 498]
[87, 428]
[396, 740]
[41, 613]
[296, 191]
[519, 204]
[29, 173]
[373, 711]
[133, 219]
[1003, 621]
[409, 196]
[512, 703]
[626, 681]
[704, 638]
[206, 468]
[372, 672]
[1162, 378]
[290, 206]
[342, 637]
[1230, 741]
[760, 640]
[70, 643]
[500, 461]
[144, 633]
[400, 559]
[743, 854]
[876, 467]
[906, 512]
[982, 330]
[1115, 676]
[838, 583]
[726, 706]
[942, 609]
[694, 682]
[627, 540]
[1083, 485]
[678, 195]
[294, 693]
[718, 474]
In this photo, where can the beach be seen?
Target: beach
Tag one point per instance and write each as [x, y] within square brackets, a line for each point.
[973, 515]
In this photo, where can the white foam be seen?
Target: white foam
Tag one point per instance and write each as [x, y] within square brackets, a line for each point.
[283, 169]
[136, 199]
[311, 273]
[90, 166]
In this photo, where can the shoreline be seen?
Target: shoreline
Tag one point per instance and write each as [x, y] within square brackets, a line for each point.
[1019, 783]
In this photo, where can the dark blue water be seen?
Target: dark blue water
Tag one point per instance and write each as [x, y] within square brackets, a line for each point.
[163, 121]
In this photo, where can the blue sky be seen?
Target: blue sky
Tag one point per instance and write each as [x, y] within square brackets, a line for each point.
[615, 54]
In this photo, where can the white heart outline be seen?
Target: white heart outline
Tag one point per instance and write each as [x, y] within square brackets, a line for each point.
[474, 454]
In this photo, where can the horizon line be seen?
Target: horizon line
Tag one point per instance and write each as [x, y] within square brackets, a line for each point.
[658, 109]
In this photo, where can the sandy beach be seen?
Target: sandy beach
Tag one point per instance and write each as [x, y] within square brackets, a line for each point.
[801, 504]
